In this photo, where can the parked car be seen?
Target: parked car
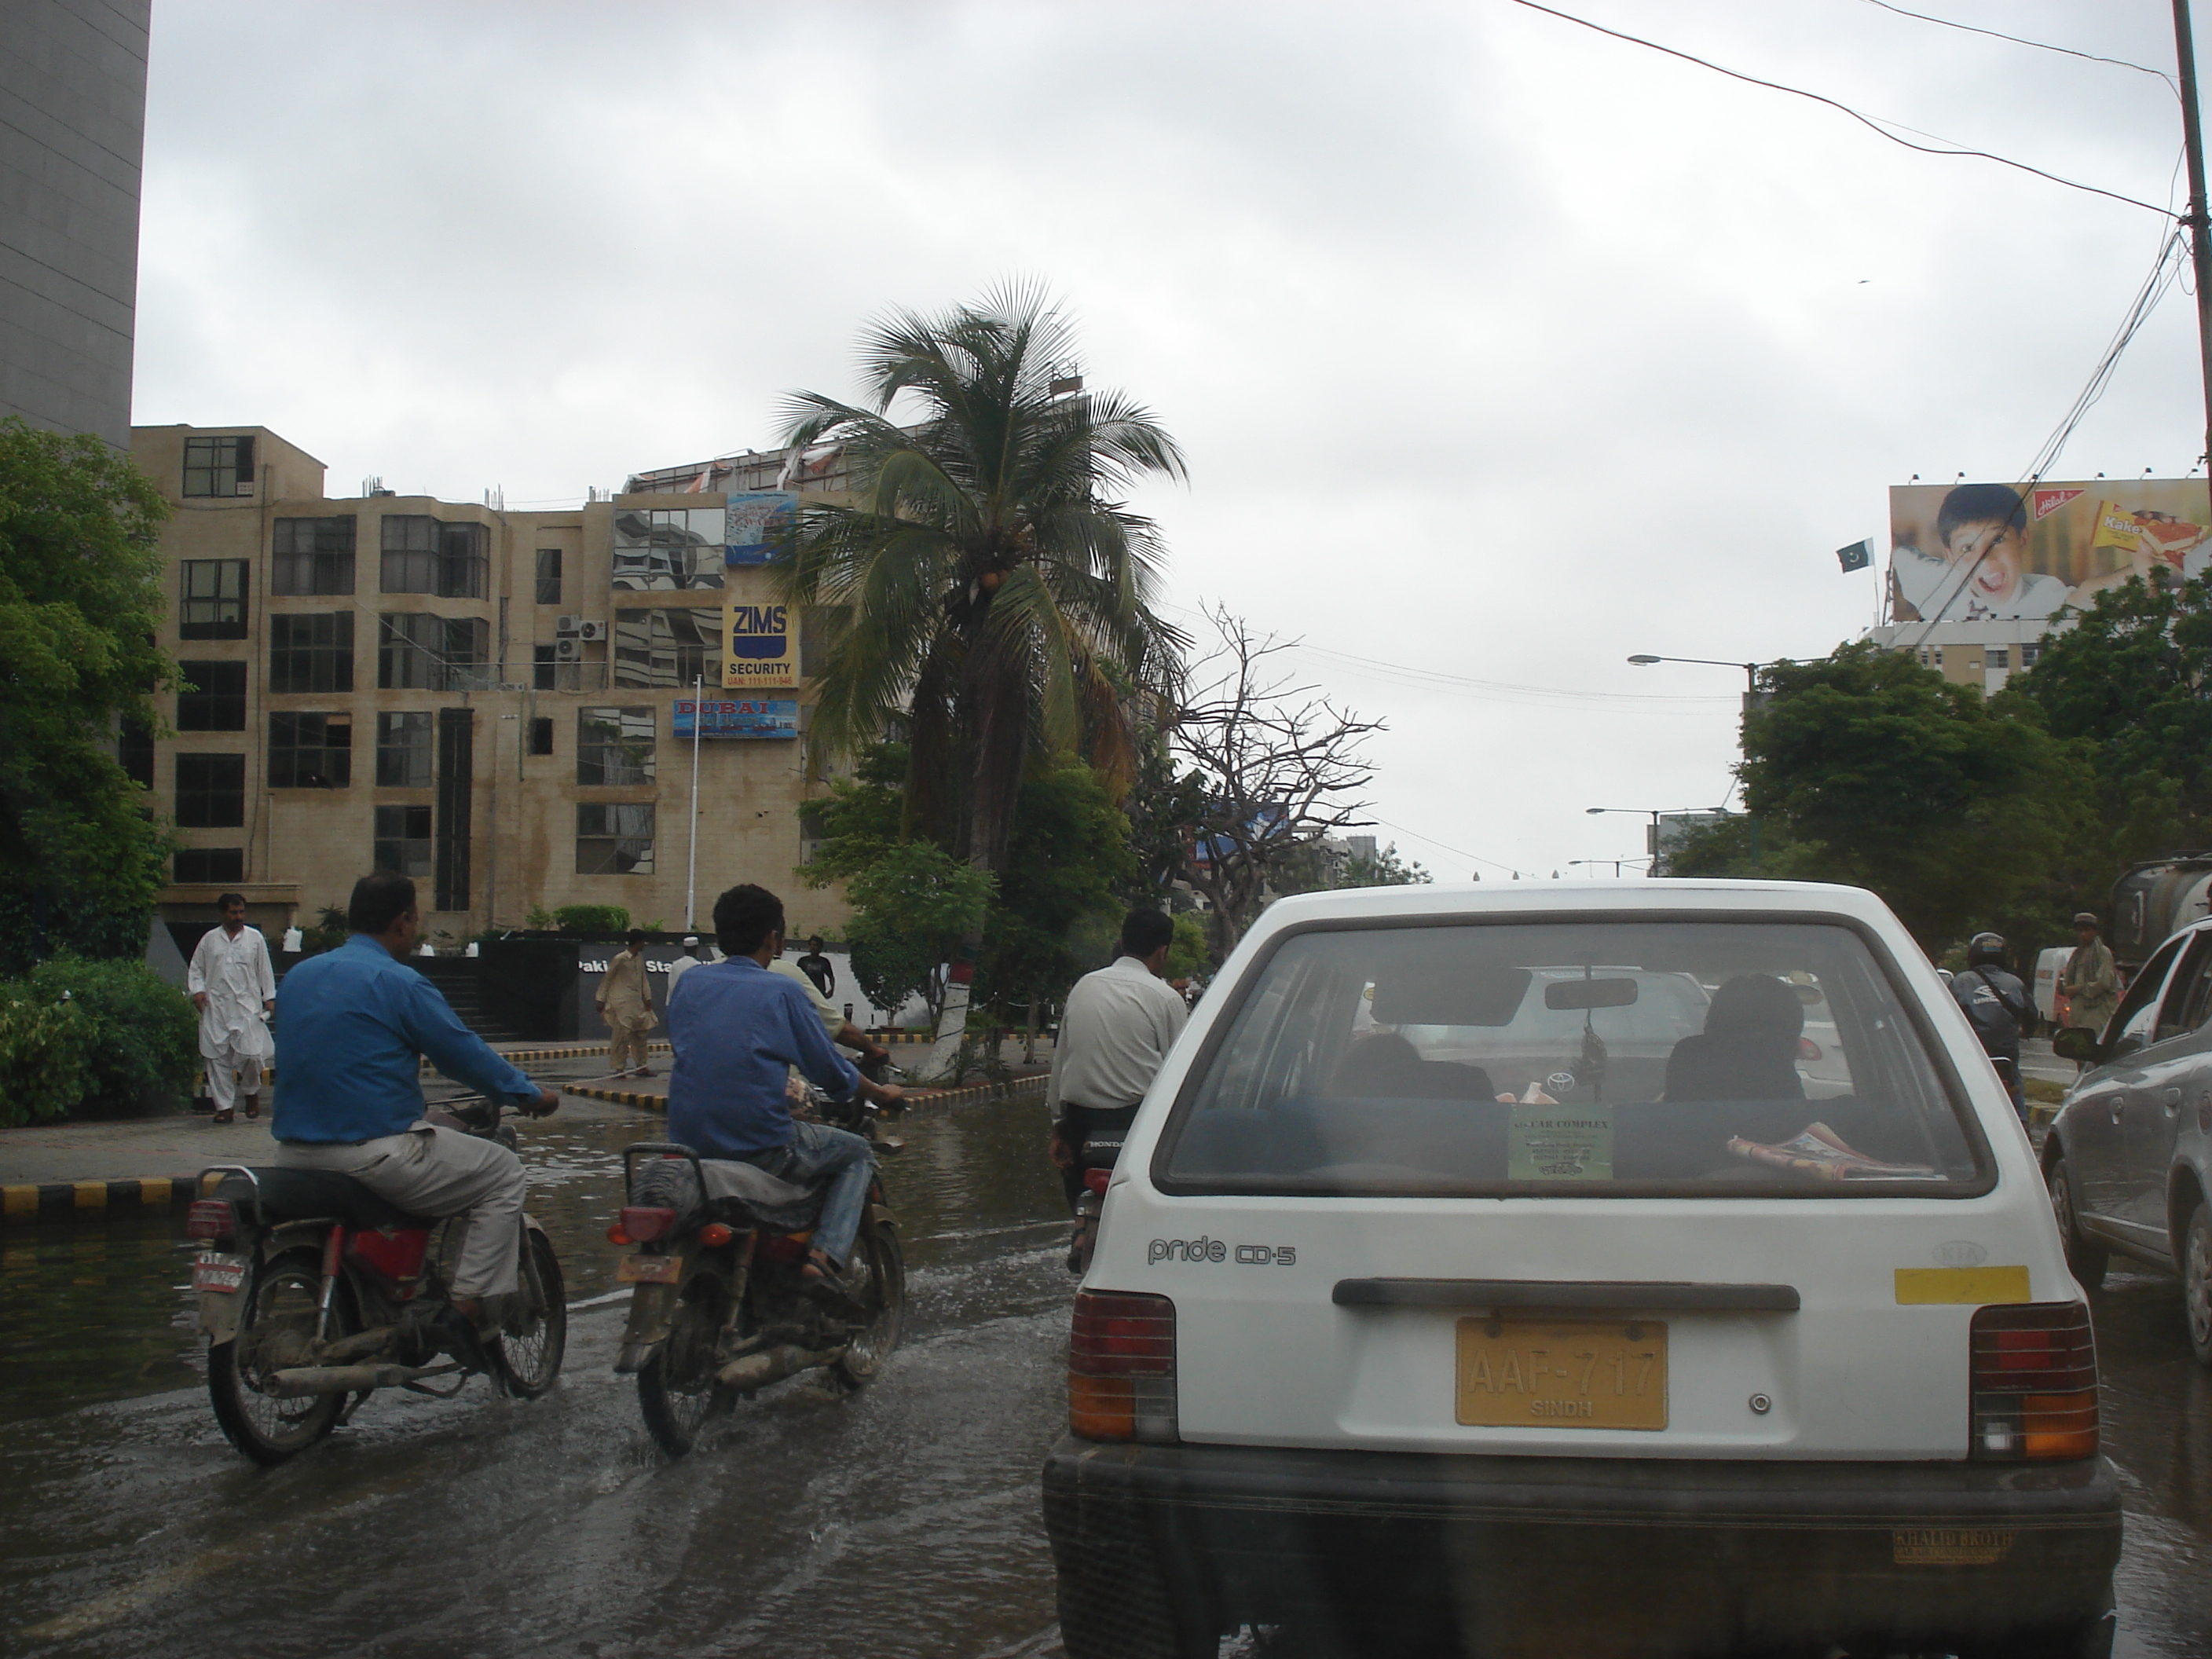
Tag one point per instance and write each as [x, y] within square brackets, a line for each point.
[2128, 1159]
[1707, 1361]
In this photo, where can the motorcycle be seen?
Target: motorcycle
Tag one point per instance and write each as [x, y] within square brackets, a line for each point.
[313, 1288]
[720, 1308]
[1094, 1159]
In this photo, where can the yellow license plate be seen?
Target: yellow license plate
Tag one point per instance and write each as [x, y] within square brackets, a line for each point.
[1563, 1373]
[649, 1269]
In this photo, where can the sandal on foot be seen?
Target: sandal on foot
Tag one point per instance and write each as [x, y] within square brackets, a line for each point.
[222, 1117]
[252, 1107]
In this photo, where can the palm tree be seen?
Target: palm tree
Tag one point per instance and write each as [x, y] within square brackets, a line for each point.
[989, 591]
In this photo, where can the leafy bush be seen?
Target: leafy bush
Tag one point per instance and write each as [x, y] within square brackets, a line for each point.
[137, 1032]
[42, 1052]
[592, 918]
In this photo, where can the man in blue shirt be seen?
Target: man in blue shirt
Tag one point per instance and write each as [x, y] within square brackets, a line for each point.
[738, 1030]
[356, 1024]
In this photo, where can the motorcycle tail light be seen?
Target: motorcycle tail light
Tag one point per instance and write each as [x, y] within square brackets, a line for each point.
[1096, 1181]
[2034, 1371]
[714, 1235]
[616, 1236]
[644, 1224]
[395, 1257]
[1121, 1367]
[211, 1218]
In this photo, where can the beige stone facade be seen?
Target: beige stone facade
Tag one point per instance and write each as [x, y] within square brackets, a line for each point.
[487, 699]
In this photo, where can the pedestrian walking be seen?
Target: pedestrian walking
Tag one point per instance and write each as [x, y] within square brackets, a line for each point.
[682, 965]
[2091, 978]
[235, 988]
[819, 968]
[1118, 1026]
[626, 1003]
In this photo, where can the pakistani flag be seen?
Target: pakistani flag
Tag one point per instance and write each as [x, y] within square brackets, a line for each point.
[1857, 556]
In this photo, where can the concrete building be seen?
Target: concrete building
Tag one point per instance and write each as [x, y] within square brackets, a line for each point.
[1983, 652]
[72, 130]
[500, 704]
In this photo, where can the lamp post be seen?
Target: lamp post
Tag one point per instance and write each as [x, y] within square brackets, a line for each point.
[1617, 864]
[691, 853]
[1645, 660]
[1654, 813]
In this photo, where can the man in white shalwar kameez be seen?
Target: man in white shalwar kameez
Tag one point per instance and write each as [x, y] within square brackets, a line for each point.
[235, 988]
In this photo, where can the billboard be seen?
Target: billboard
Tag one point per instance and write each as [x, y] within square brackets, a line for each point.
[760, 647]
[751, 520]
[736, 717]
[1973, 552]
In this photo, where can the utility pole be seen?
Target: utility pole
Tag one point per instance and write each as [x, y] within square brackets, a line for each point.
[692, 857]
[2200, 230]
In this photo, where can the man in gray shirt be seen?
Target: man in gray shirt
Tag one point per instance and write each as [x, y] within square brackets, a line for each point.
[1118, 1026]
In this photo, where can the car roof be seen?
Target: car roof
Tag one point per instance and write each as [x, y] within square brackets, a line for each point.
[1658, 897]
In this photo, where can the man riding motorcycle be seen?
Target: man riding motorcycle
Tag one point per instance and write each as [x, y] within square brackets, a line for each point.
[737, 1030]
[357, 1022]
[1999, 1009]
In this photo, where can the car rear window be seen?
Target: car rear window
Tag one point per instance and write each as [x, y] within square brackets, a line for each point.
[1597, 1058]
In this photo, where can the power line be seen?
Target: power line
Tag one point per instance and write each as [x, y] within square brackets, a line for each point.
[2040, 45]
[1871, 123]
[1457, 851]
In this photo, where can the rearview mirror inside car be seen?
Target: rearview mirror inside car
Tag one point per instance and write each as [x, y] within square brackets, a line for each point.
[2078, 1043]
[1590, 993]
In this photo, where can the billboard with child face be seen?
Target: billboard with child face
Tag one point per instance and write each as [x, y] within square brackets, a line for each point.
[1974, 552]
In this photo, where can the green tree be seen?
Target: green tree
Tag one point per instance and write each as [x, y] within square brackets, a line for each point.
[1383, 868]
[989, 592]
[1059, 907]
[912, 908]
[863, 818]
[1187, 951]
[80, 597]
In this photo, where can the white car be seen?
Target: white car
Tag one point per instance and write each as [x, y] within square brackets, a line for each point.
[1399, 1340]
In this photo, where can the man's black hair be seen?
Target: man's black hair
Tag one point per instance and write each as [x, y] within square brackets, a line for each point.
[379, 899]
[636, 936]
[744, 916]
[814, 943]
[1144, 932]
[1980, 504]
[224, 901]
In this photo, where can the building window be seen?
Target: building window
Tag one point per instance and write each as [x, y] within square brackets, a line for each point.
[134, 751]
[212, 697]
[668, 548]
[404, 751]
[672, 647]
[1997, 656]
[422, 555]
[208, 866]
[418, 652]
[541, 734]
[312, 556]
[2028, 653]
[310, 751]
[219, 466]
[212, 595]
[548, 575]
[310, 650]
[211, 792]
[613, 746]
[1939, 656]
[544, 667]
[614, 838]
[403, 840]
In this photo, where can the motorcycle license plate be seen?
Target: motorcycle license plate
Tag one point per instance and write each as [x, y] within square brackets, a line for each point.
[211, 1272]
[649, 1269]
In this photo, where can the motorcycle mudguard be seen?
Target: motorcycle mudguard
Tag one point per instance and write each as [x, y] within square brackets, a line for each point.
[221, 1313]
[651, 1308]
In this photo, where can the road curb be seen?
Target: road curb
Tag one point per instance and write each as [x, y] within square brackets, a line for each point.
[974, 1094]
[72, 1200]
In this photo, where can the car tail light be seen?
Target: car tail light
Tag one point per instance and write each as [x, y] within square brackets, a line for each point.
[211, 1218]
[2034, 1382]
[644, 1225]
[1121, 1367]
[396, 1257]
[1807, 1049]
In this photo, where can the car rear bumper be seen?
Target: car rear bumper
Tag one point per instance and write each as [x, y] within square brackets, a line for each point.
[1512, 1554]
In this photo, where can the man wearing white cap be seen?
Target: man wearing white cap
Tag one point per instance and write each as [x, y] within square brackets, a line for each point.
[682, 964]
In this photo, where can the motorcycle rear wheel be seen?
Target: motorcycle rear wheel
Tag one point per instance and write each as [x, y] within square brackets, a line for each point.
[885, 1296]
[678, 1392]
[535, 1335]
[278, 1330]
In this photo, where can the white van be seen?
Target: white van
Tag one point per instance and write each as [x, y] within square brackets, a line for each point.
[1401, 1339]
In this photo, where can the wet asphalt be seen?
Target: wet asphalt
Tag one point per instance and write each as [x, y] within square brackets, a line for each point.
[902, 1520]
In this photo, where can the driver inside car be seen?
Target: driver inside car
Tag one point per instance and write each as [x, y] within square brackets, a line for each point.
[738, 1030]
[358, 1021]
[1748, 1050]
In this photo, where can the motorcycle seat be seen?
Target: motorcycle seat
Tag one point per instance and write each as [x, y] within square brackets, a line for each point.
[739, 1193]
[286, 1194]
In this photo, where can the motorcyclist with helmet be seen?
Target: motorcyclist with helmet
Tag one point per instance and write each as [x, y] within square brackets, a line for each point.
[1998, 1007]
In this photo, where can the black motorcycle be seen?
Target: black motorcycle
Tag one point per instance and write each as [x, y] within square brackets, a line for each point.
[722, 1307]
[313, 1288]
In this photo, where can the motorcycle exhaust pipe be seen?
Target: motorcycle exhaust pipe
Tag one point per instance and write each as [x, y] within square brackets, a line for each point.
[345, 1379]
[757, 1371]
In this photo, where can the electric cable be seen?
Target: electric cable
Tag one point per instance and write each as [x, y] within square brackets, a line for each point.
[2040, 45]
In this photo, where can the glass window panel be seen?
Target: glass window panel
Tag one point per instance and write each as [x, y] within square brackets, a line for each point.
[613, 746]
[671, 646]
[219, 466]
[548, 575]
[211, 792]
[311, 652]
[403, 842]
[216, 700]
[667, 549]
[210, 866]
[212, 599]
[312, 556]
[404, 751]
[310, 751]
[614, 838]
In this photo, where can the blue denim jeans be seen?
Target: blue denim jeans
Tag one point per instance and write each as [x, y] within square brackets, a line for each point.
[819, 1156]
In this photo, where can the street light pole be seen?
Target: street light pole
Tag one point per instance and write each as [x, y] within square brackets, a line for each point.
[691, 858]
[2200, 229]
[1654, 813]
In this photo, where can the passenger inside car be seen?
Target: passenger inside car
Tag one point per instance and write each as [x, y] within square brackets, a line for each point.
[1748, 1049]
[1386, 1065]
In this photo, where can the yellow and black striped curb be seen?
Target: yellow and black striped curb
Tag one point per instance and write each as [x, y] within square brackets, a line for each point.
[67, 1201]
[511, 1055]
[974, 1094]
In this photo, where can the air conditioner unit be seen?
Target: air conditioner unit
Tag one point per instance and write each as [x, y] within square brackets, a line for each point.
[568, 651]
[567, 624]
[591, 630]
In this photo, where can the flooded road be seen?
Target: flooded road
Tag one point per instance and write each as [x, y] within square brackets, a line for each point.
[902, 1520]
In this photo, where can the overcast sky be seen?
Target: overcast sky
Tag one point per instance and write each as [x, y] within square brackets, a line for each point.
[1500, 350]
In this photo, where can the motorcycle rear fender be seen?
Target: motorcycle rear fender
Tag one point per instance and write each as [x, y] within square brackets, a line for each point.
[652, 1308]
[222, 1312]
[882, 1216]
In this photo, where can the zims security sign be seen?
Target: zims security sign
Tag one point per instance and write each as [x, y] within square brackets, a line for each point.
[760, 649]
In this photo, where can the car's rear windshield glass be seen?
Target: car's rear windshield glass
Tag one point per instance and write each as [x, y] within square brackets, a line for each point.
[1596, 1058]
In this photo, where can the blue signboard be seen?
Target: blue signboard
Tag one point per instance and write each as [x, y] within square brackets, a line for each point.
[737, 717]
[751, 520]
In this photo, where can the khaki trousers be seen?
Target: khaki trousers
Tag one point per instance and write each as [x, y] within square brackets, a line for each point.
[626, 1039]
[433, 1171]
